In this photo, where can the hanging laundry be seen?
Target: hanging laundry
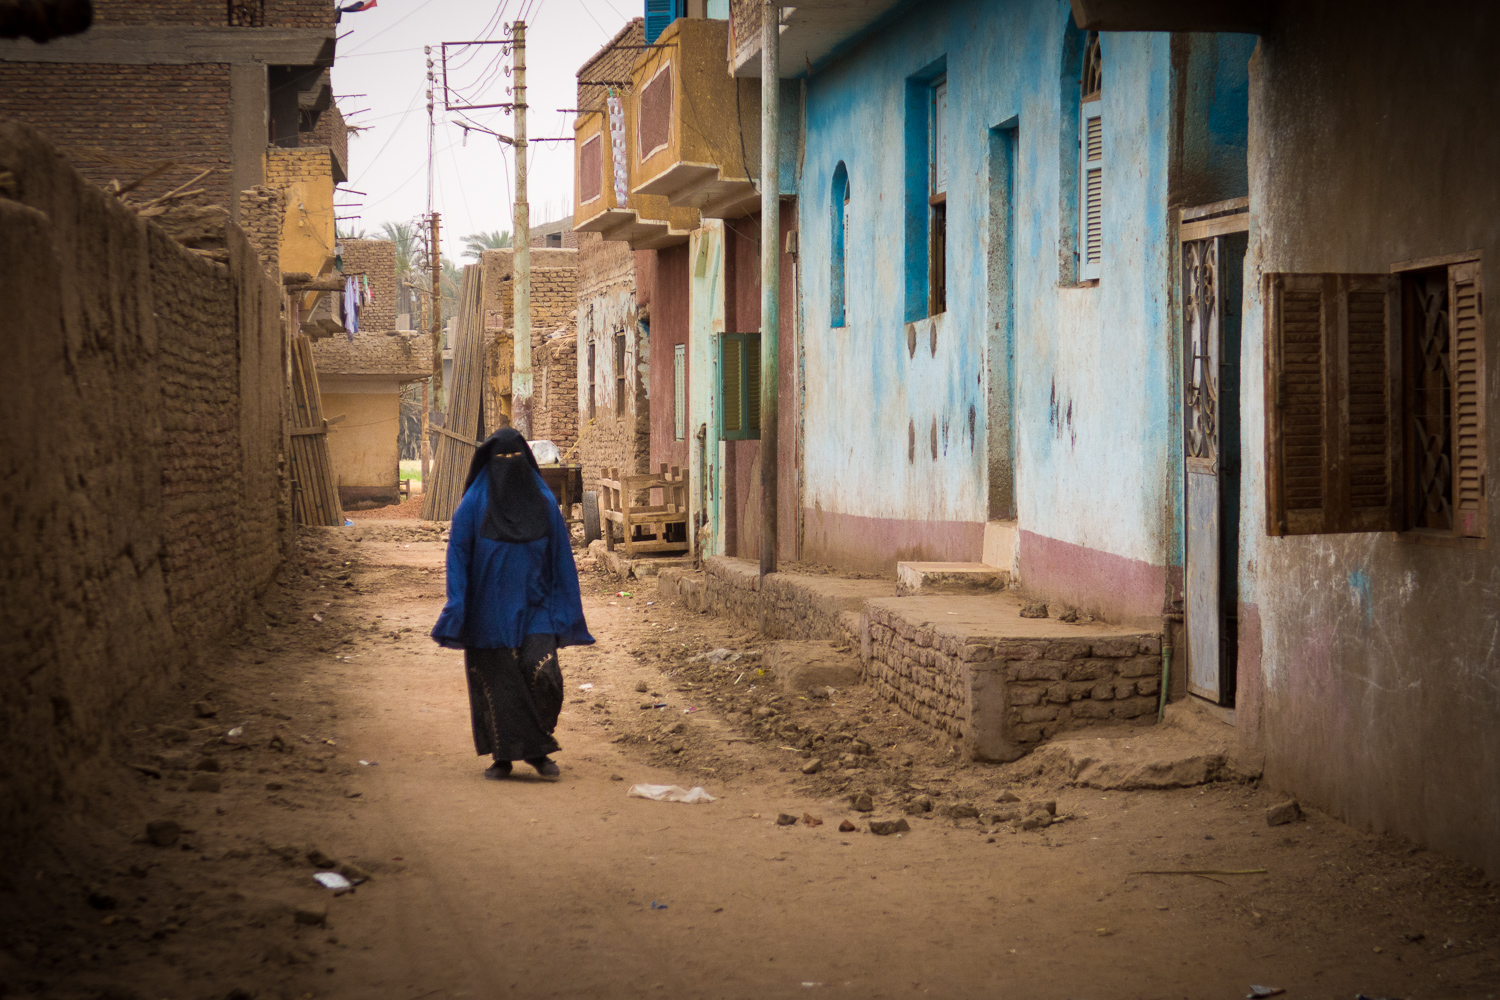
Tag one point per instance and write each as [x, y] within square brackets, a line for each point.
[351, 307]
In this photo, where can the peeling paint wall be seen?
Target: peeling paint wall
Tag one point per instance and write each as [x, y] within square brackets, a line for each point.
[1378, 681]
[908, 478]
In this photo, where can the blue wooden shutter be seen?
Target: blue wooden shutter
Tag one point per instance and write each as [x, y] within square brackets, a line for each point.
[659, 14]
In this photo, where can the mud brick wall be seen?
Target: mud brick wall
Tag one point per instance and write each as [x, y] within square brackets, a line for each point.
[404, 358]
[144, 504]
[332, 134]
[285, 166]
[261, 211]
[554, 368]
[609, 63]
[375, 260]
[796, 606]
[183, 116]
[1050, 684]
[215, 13]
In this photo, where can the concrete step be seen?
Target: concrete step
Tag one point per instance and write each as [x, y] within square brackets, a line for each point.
[914, 578]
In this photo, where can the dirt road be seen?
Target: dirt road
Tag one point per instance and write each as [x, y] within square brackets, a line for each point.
[354, 741]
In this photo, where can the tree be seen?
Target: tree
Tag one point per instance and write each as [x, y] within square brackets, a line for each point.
[348, 233]
[453, 277]
[475, 244]
[404, 235]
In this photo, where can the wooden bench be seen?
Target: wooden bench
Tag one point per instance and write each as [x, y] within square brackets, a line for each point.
[566, 484]
[617, 506]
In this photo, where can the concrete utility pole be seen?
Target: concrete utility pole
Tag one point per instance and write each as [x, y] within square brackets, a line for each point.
[770, 277]
[429, 397]
[520, 379]
[436, 255]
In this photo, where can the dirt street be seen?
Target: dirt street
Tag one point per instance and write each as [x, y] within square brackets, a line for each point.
[332, 732]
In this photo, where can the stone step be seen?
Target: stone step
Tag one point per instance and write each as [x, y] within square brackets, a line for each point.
[913, 578]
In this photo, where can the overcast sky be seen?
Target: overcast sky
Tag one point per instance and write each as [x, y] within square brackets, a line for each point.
[474, 180]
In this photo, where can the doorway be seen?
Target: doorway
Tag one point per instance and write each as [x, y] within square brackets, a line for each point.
[1214, 240]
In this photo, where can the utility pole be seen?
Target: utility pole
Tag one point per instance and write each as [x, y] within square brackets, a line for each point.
[520, 379]
[435, 254]
[770, 278]
[428, 394]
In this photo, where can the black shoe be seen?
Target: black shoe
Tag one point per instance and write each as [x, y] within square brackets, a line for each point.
[545, 766]
[498, 771]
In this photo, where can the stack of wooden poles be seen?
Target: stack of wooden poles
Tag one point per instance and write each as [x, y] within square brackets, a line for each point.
[463, 424]
[315, 495]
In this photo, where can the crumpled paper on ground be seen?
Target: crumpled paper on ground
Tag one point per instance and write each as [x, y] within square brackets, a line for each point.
[670, 793]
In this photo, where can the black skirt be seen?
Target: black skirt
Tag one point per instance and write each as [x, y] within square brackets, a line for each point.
[515, 696]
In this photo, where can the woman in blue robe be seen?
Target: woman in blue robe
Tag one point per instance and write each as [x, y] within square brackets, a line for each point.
[513, 601]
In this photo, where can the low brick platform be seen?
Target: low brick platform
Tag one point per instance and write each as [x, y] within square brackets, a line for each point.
[914, 578]
[971, 667]
[797, 605]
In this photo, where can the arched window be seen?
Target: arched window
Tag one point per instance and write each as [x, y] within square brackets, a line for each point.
[1090, 162]
[839, 231]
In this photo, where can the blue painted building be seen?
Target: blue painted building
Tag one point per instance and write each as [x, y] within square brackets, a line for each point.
[989, 325]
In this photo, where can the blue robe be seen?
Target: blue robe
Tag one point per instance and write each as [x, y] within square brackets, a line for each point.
[501, 592]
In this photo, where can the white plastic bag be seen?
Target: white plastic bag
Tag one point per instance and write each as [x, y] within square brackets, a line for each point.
[670, 793]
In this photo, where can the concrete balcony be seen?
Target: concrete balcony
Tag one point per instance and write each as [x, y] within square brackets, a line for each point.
[644, 221]
[697, 129]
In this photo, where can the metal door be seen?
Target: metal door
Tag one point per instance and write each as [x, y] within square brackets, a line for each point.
[1211, 293]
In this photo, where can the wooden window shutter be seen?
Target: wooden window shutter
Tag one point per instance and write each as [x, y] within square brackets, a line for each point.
[679, 391]
[1466, 354]
[739, 386]
[1333, 438]
[1091, 191]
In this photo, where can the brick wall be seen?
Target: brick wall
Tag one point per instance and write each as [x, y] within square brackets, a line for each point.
[375, 260]
[261, 212]
[403, 358]
[216, 13]
[178, 113]
[554, 304]
[332, 133]
[554, 369]
[613, 436]
[609, 63]
[286, 166]
[147, 418]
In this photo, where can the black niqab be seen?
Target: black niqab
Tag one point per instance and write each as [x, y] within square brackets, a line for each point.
[519, 510]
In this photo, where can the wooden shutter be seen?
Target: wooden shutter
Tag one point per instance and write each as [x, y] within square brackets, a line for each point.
[1333, 442]
[1091, 191]
[1466, 357]
[659, 14]
[739, 386]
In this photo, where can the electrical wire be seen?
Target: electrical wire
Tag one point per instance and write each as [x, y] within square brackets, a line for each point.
[355, 50]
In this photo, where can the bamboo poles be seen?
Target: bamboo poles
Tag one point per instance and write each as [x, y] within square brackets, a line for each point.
[464, 423]
[315, 498]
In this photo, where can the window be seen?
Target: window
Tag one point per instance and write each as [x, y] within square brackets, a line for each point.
[679, 397]
[1375, 404]
[937, 199]
[659, 14]
[619, 374]
[739, 386]
[591, 381]
[1091, 163]
[838, 241]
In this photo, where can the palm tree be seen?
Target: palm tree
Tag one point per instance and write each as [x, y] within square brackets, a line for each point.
[404, 235]
[348, 233]
[475, 244]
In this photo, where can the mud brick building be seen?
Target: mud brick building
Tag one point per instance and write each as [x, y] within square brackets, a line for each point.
[361, 374]
[203, 83]
[613, 359]
[554, 304]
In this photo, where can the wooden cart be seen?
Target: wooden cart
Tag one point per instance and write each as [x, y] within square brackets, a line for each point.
[617, 506]
[566, 483]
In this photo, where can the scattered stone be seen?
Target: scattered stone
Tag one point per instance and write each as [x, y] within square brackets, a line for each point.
[172, 734]
[1037, 821]
[203, 783]
[811, 820]
[1284, 812]
[101, 900]
[311, 916]
[813, 766]
[1414, 936]
[163, 832]
[148, 770]
[786, 819]
[642, 686]
[207, 763]
[616, 777]
[1069, 615]
[861, 802]
[961, 810]
[273, 786]
[763, 712]
[676, 747]
[847, 827]
[917, 806]
[205, 709]
[1007, 797]
[1004, 816]
[1036, 609]
[886, 827]
[351, 794]
[174, 760]
[1048, 806]
[318, 859]
[277, 743]
[848, 760]
[353, 872]
[648, 704]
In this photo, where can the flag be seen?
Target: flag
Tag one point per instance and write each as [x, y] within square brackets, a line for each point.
[355, 8]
